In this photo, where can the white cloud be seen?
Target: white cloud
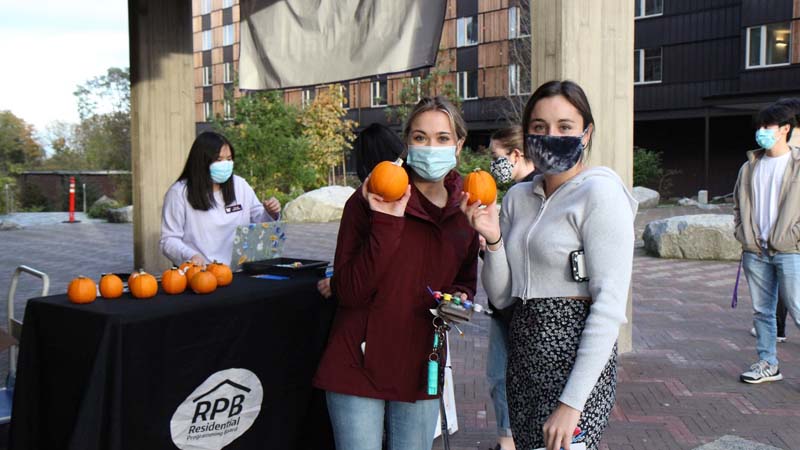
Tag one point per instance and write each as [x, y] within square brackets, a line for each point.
[44, 60]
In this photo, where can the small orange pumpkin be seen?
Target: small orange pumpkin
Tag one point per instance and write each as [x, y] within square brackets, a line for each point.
[481, 187]
[81, 290]
[173, 281]
[389, 180]
[222, 272]
[110, 286]
[185, 266]
[142, 284]
[192, 270]
[203, 282]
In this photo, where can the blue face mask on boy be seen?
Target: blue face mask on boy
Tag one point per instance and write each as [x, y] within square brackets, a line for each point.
[765, 138]
[221, 171]
[431, 163]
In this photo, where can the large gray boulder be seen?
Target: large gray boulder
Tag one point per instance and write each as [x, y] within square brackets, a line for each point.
[647, 198]
[320, 205]
[104, 201]
[121, 215]
[704, 236]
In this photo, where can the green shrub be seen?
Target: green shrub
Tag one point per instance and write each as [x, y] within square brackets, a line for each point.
[100, 210]
[647, 168]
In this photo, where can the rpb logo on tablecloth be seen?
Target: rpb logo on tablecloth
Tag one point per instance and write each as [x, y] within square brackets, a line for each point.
[218, 411]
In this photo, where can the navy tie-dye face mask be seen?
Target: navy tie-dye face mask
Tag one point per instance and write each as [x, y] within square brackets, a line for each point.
[555, 154]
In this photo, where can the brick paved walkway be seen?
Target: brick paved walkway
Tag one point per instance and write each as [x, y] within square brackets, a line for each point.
[678, 389]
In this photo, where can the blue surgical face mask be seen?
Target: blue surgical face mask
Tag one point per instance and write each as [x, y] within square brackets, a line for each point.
[221, 171]
[765, 138]
[431, 163]
[555, 154]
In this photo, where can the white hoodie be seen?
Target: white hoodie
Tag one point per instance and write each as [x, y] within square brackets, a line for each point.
[186, 231]
[593, 212]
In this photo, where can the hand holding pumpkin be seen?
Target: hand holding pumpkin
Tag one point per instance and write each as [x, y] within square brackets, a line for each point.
[377, 202]
[196, 260]
[273, 207]
[485, 221]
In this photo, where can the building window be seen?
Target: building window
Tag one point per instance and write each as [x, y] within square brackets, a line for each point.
[378, 97]
[649, 8]
[227, 3]
[227, 35]
[468, 85]
[519, 80]
[205, 6]
[227, 110]
[308, 96]
[208, 40]
[647, 66]
[208, 113]
[518, 23]
[467, 31]
[207, 79]
[227, 72]
[769, 45]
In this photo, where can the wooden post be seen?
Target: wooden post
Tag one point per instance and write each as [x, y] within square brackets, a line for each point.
[162, 114]
[591, 43]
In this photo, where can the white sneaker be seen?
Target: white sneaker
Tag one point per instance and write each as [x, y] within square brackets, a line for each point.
[779, 339]
[761, 372]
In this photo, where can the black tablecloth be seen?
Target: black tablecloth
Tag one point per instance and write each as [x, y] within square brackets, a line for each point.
[110, 375]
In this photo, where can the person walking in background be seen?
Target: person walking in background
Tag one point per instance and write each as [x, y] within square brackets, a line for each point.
[562, 249]
[509, 164]
[375, 143]
[766, 218]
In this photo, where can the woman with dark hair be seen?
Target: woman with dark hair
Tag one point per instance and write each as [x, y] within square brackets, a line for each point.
[204, 207]
[562, 250]
[388, 255]
[375, 144]
[509, 164]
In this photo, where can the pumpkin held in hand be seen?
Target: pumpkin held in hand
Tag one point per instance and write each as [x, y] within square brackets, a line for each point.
[481, 187]
[81, 290]
[389, 180]
[173, 281]
[110, 286]
[185, 266]
[203, 282]
[142, 284]
[222, 272]
[192, 271]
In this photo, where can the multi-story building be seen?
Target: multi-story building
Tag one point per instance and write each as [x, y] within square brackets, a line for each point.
[483, 55]
[216, 57]
[701, 69]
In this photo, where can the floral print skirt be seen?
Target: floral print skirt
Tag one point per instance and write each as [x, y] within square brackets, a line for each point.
[543, 343]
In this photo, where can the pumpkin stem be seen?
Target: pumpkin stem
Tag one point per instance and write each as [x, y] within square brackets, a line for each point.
[398, 162]
[477, 169]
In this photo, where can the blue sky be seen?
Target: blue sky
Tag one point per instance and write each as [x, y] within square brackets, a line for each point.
[48, 47]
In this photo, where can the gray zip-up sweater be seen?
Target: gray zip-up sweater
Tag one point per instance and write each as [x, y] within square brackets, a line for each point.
[594, 212]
